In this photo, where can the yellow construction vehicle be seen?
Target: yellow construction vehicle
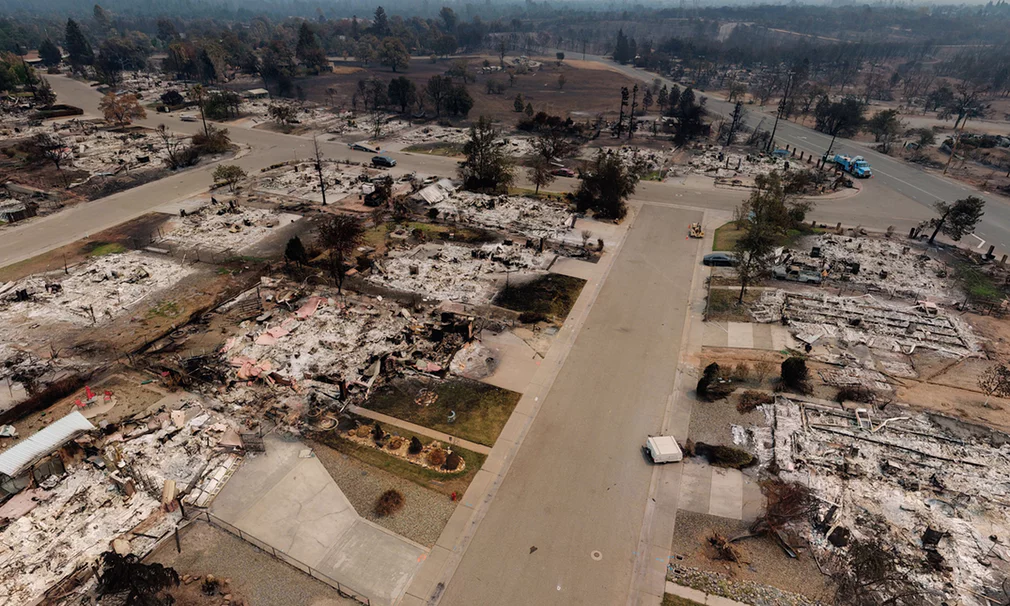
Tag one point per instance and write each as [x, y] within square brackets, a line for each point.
[695, 231]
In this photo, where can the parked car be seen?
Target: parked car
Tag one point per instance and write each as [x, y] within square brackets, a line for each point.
[563, 172]
[363, 147]
[188, 118]
[663, 449]
[720, 259]
[796, 274]
[383, 161]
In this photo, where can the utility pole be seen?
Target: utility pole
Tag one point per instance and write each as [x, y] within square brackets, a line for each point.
[319, 168]
[782, 106]
[634, 104]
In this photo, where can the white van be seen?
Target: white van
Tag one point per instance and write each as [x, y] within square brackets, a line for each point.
[663, 449]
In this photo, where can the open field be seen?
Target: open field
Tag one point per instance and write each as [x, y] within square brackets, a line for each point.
[587, 92]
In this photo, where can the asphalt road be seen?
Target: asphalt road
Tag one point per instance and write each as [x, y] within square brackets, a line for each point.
[580, 481]
[890, 175]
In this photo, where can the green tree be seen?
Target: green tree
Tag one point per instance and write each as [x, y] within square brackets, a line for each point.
[49, 53]
[539, 173]
[439, 88]
[341, 235]
[606, 185]
[403, 92]
[885, 125]
[44, 94]
[222, 105]
[393, 54]
[282, 113]
[622, 50]
[78, 48]
[518, 104]
[229, 175]
[308, 51]
[487, 166]
[839, 118]
[380, 24]
[958, 219]
[529, 110]
[459, 103]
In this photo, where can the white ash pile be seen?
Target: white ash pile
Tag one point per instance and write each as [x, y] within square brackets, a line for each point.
[879, 264]
[300, 180]
[864, 319]
[641, 161]
[714, 162]
[71, 520]
[450, 272]
[324, 337]
[218, 226]
[99, 289]
[307, 114]
[931, 490]
[107, 152]
[510, 214]
[515, 145]
[148, 85]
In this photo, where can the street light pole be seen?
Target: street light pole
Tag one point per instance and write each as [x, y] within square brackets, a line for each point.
[782, 106]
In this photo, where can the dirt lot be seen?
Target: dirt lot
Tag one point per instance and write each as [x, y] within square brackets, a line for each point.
[257, 577]
[589, 89]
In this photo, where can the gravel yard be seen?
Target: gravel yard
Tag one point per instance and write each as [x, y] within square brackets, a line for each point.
[424, 514]
[260, 578]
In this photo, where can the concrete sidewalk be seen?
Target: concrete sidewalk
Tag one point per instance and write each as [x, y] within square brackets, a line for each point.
[289, 502]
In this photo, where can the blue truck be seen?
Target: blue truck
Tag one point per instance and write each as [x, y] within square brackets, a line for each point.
[857, 166]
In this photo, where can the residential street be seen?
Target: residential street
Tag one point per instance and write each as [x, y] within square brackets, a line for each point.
[580, 482]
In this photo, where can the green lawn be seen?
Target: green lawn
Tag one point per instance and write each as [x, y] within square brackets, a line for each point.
[481, 410]
[723, 304]
[436, 149]
[726, 236]
[100, 249]
[446, 483]
[551, 296]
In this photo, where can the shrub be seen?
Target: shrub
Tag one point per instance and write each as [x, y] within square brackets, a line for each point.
[395, 443]
[855, 393]
[389, 503]
[724, 456]
[708, 376]
[762, 370]
[216, 141]
[750, 399]
[415, 446]
[741, 372]
[794, 374]
[377, 433]
[452, 462]
[719, 390]
[436, 458]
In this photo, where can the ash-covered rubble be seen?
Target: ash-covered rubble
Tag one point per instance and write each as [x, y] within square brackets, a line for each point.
[101, 288]
[339, 345]
[930, 489]
[641, 161]
[300, 180]
[878, 265]
[865, 320]
[715, 162]
[114, 481]
[511, 214]
[225, 227]
[515, 146]
[457, 273]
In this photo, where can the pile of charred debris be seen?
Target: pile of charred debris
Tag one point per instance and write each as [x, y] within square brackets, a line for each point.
[910, 506]
[300, 349]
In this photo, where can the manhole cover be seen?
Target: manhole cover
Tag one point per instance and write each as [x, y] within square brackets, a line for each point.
[596, 555]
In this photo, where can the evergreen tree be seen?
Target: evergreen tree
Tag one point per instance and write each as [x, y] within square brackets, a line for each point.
[78, 47]
[49, 53]
[621, 48]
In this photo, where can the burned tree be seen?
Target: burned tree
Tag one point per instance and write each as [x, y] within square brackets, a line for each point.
[50, 147]
[340, 234]
[135, 583]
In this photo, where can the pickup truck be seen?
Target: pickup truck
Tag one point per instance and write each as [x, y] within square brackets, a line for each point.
[796, 274]
[857, 166]
[663, 449]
